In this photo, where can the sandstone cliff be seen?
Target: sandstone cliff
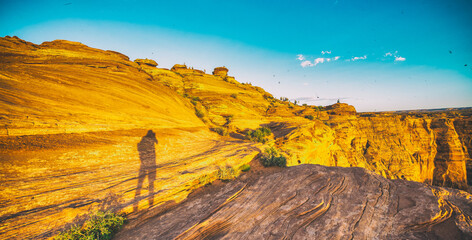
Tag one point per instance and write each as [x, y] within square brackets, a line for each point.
[71, 117]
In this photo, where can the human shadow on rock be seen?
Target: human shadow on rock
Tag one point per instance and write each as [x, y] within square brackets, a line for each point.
[147, 156]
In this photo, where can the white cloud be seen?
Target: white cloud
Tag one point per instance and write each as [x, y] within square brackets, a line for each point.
[359, 58]
[325, 52]
[319, 60]
[399, 59]
[306, 64]
[316, 61]
[306, 84]
[395, 55]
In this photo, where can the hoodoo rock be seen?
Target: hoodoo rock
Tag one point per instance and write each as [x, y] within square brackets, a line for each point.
[148, 62]
[220, 71]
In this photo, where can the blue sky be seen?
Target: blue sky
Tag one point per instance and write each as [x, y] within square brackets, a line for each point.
[375, 55]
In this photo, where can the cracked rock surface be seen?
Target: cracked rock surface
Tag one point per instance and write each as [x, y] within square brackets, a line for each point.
[314, 202]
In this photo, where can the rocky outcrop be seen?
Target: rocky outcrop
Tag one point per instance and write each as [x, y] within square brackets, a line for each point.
[147, 62]
[450, 160]
[463, 128]
[341, 109]
[220, 71]
[183, 69]
[314, 202]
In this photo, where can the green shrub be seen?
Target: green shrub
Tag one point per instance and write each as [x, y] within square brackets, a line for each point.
[234, 95]
[245, 167]
[259, 135]
[204, 180]
[101, 225]
[199, 113]
[310, 117]
[221, 131]
[228, 118]
[272, 157]
[226, 174]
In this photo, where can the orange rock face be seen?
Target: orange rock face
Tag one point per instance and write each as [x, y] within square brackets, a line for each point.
[220, 71]
[450, 161]
[71, 118]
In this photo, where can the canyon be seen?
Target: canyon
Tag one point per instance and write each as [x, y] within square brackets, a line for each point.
[71, 117]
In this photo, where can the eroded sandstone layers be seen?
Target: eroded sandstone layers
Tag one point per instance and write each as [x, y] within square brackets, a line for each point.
[316, 202]
[71, 117]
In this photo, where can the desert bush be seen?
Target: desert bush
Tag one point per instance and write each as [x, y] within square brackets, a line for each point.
[199, 113]
[245, 167]
[226, 174]
[204, 180]
[220, 130]
[234, 95]
[228, 118]
[101, 225]
[272, 157]
[259, 135]
[310, 117]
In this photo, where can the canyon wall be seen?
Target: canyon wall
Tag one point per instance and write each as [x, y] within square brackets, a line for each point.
[71, 118]
[409, 147]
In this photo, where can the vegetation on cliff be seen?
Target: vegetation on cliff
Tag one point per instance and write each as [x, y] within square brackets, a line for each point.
[72, 117]
[101, 225]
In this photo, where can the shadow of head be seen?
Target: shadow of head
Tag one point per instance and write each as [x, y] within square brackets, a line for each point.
[150, 134]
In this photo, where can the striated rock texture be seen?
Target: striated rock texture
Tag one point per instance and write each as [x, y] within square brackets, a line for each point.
[71, 117]
[463, 127]
[424, 149]
[315, 202]
[450, 159]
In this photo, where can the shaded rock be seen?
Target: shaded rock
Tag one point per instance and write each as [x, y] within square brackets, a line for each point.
[450, 161]
[148, 62]
[341, 109]
[220, 71]
[315, 202]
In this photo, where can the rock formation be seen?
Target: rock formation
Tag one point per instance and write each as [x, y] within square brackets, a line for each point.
[450, 158]
[148, 62]
[220, 71]
[71, 117]
[314, 202]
